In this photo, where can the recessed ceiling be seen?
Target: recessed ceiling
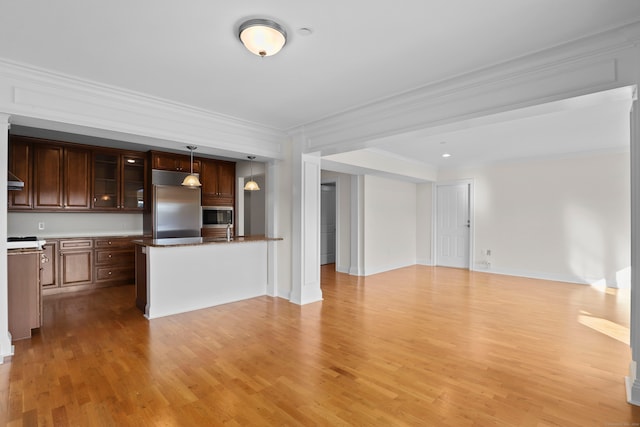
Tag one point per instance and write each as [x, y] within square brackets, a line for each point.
[357, 51]
[590, 124]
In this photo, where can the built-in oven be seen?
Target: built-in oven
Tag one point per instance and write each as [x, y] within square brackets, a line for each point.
[217, 216]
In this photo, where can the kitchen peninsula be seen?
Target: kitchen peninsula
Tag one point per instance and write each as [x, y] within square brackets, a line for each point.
[177, 275]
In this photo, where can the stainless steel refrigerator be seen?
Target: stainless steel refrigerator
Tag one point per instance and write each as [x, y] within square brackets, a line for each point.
[175, 212]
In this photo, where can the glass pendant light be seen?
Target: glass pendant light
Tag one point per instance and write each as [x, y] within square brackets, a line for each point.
[191, 180]
[251, 185]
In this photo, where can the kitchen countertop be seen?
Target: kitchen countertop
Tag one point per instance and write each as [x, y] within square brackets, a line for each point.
[20, 251]
[196, 241]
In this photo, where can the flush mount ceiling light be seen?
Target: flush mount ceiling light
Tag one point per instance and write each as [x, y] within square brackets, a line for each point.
[191, 180]
[262, 37]
[251, 185]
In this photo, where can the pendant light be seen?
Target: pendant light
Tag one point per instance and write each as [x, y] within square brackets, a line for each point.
[251, 185]
[191, 180]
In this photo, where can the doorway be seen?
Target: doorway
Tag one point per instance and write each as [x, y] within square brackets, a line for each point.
[328, 223]
[453, 213]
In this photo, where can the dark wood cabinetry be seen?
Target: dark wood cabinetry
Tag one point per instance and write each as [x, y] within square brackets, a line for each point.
[20, 165]
[76, 262]
[24, 305]
[133, 181]
[76, 179]
[217, 232]
[218, 179]
[48, 267]
[173, 162]
[47, 176]
[61, 176]
[114, 260]
[118, 181]
[70, 264]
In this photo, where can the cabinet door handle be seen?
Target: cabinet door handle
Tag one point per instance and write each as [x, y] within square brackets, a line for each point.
[109, 273]
[109, 255]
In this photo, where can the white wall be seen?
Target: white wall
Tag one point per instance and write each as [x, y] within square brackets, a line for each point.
[254, 209]
[281, 195]
[343, 218]
[564, 219]
[424, 212]
[244, 168]
[389, 224]
[69, 224]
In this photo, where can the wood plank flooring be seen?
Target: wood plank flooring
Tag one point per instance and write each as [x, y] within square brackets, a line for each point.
[418, 346]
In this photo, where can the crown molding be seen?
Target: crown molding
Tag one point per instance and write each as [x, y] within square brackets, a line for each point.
[42, 95]
[599, 62]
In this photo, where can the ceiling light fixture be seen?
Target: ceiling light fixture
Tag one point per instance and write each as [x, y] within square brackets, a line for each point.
[191, 180]
[251, 185]
[262, 37]
[445, 155]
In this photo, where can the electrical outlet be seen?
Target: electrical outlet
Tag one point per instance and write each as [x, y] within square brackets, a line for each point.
[41, 225]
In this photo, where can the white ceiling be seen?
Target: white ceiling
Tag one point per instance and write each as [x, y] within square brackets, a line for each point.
[593, 123]
[360, 51]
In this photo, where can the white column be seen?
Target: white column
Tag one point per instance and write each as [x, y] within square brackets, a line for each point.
[6, 349]
[305, 255]
[272, 201]
[632, 381]
[357, 226]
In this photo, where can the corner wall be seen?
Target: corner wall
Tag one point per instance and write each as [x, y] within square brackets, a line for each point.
[389, 224]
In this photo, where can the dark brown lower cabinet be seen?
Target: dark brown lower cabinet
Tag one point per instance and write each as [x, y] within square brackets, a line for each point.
[76, 262]
[48, 267]
[24, 305]
[79, 264]
[141, 278]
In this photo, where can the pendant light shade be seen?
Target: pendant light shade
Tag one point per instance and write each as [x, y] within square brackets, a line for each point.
[262, 37]
[251, 185]
[191, 180]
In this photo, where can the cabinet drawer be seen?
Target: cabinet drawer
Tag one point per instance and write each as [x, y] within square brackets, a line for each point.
[113, 242]
[115, 257]
[76, 244]
[104, 274]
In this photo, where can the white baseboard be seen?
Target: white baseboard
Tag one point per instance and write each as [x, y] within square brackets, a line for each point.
[382, 269]
[545, 276]
[342, 269]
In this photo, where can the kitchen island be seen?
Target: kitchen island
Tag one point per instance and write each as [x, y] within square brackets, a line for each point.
[183, 274]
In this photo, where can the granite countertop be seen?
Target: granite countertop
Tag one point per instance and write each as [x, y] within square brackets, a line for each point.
[196, 241]
[20, 251]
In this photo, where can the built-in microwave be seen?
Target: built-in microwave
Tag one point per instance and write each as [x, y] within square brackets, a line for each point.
[217, 216]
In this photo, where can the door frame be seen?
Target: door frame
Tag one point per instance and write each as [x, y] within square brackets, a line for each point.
[336, 183]
[434, 218]
[335, 213]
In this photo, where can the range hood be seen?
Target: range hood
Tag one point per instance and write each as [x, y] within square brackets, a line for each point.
[14, 183]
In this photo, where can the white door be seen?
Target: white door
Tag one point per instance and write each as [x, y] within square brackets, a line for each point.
[452, 225]
[327, 224]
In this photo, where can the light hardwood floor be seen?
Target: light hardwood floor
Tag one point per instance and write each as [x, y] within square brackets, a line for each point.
[418, 346]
